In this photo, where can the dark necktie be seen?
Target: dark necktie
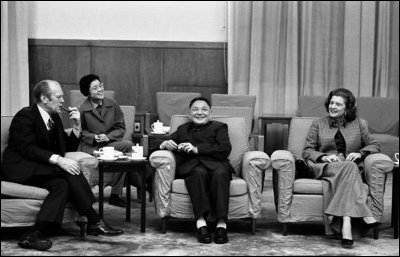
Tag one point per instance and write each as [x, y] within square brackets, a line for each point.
[50, 124]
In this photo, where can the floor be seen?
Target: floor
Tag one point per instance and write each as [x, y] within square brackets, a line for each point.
[180, 239]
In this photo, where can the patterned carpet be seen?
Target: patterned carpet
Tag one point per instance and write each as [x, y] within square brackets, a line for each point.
[180, 239]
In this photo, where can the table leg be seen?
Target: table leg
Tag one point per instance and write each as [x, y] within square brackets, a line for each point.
[143, 197]
[101, 191]
[128, 197]
[265, 137]
[395, 202]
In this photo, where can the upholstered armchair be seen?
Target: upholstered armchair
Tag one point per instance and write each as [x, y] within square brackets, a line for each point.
[300, 199]
[20, 204]
[171, 197]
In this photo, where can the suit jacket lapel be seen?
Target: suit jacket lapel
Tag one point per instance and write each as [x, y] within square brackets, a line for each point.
[40, 123]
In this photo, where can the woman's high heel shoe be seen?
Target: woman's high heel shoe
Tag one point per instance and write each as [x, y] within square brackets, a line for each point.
[82, 223]
[347, 243]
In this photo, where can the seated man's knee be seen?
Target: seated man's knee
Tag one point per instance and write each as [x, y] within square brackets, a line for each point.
[221, 173]
[199, 171]
[59, 185]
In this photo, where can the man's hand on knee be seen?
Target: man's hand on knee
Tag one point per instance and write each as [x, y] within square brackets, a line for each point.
[69, 165]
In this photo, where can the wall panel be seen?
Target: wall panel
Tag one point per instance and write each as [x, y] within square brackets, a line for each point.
[135, 70]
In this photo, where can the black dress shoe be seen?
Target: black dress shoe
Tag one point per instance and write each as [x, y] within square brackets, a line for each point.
[31, 240]
[117, 201]
[347, 243]
[221, 236]
[203, 236]
[102, 228]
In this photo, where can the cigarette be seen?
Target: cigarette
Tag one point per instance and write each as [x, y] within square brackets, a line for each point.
[65, 109]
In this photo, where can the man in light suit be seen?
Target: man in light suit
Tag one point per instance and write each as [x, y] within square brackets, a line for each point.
[35, 156]
[202, 148]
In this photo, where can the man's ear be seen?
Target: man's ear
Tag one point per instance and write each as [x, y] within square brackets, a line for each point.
[44, 99]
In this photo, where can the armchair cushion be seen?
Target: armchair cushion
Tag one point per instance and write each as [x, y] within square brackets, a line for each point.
[299, 127]
[238, 187]
[389, 144]
[307, 186]
[234, 111]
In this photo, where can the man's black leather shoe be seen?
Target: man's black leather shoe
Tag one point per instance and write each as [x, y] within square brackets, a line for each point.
[203, 236]
[117, 201]
[221, 236]
[102, 228]
[31, 240]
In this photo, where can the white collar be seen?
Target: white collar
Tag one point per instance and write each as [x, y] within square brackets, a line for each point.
[45, 116]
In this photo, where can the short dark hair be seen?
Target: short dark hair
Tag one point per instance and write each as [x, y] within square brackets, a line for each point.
[42, 88]
[350, 101]
[200, 98]
[85, 81]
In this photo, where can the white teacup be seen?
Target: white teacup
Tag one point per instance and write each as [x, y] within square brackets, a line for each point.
[137, 151]
[157, 127]
[107, 152]
[166, 129]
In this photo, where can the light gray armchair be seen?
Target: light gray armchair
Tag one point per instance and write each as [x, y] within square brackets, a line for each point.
[301, 199]
[20, 204]
[171, 197]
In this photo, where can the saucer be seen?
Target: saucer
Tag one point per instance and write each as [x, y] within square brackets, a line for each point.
[158, 133]
[107, 159]
[137, 158]
[118, 153]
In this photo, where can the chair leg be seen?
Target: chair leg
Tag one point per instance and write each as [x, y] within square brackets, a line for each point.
[285, 227]
[376, 233]
[253, 226]
[163, 225]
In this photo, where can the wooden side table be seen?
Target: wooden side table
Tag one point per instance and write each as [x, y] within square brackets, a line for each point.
[395, 201]
[127, 166]
[270, 119]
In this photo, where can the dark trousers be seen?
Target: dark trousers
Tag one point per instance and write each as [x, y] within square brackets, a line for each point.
[62, 187]
[209, 190]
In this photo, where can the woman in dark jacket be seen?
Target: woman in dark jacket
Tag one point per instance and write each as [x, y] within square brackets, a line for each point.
[103, 124]
[335, 148]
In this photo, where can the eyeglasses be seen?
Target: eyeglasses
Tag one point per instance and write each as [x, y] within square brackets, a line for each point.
[97, 87]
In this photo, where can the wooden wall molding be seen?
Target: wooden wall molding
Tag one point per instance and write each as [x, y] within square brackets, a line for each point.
[126, 43]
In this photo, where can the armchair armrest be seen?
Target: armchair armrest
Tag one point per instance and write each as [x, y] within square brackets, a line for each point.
[89, 166]
[376, 167]
[164, 163]
[254, 165]
[283, 163]
[17, 190]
